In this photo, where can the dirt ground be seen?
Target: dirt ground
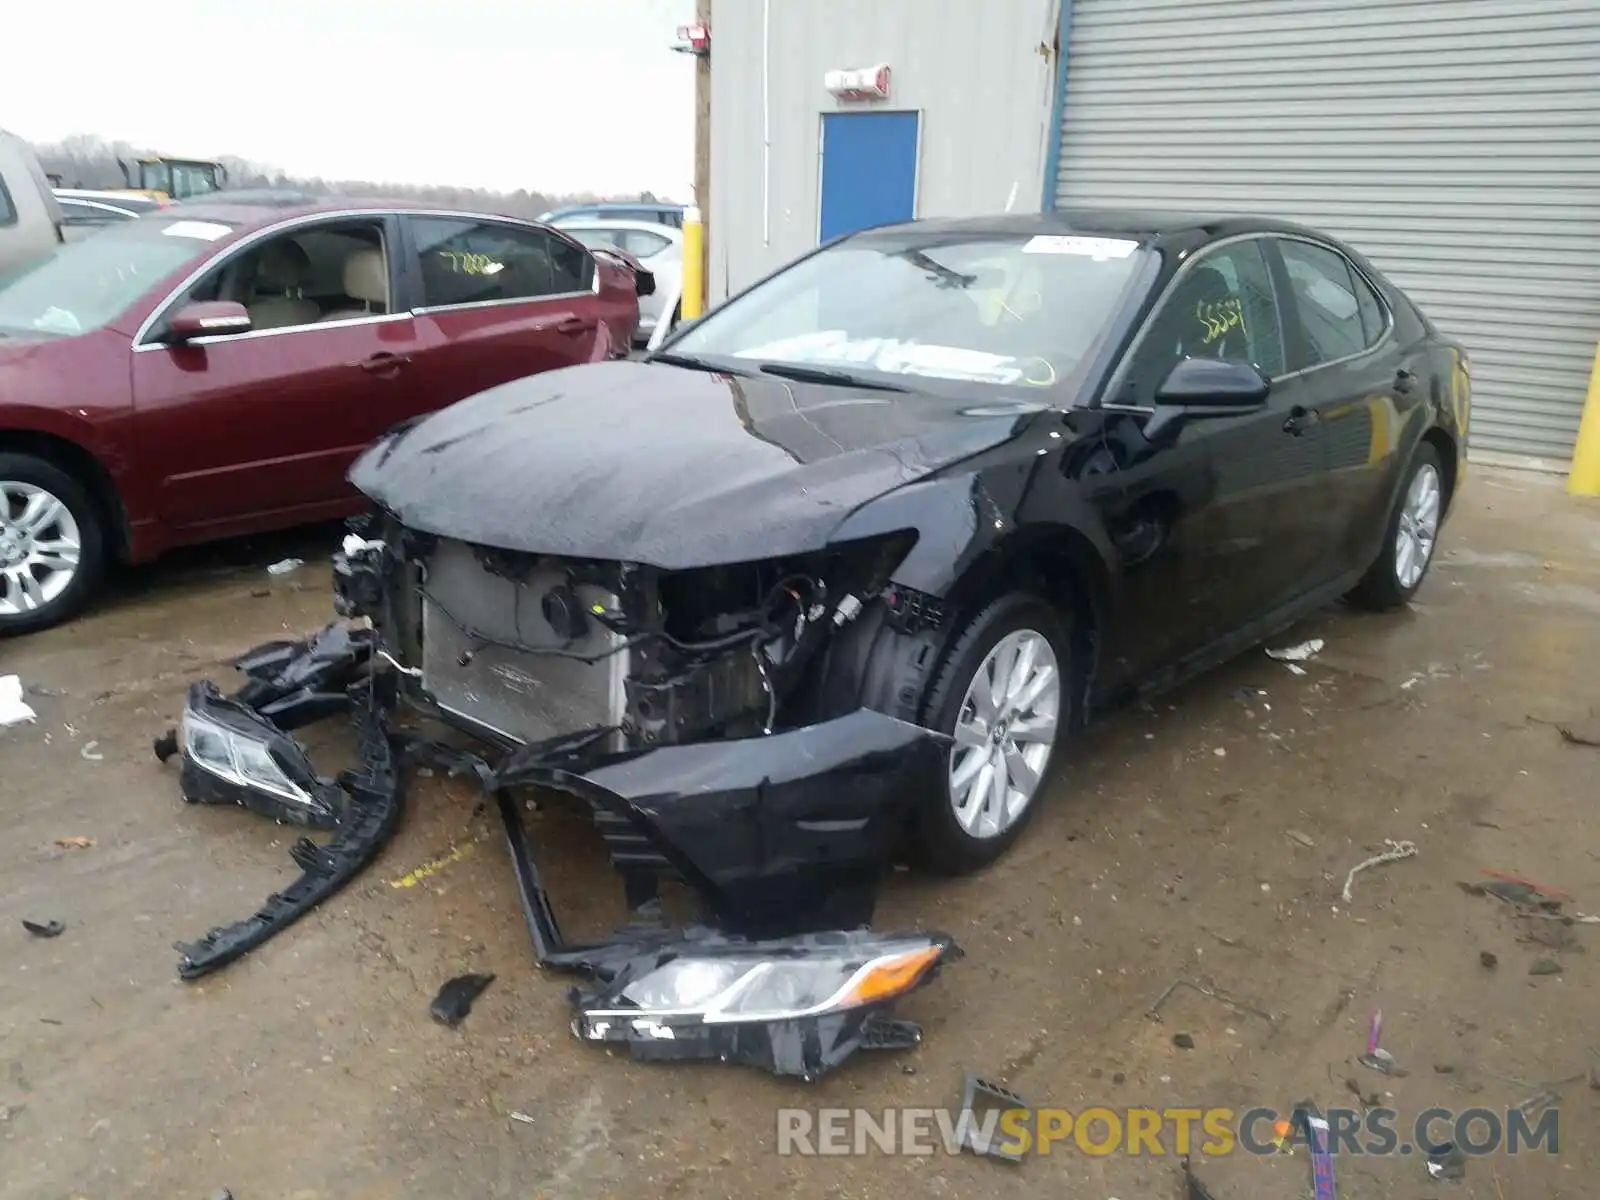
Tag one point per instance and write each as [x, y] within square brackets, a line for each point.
[1205, 837]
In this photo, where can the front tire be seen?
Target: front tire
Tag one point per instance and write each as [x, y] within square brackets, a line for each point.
[52, 544]
[1409, 541]
[1005, 695]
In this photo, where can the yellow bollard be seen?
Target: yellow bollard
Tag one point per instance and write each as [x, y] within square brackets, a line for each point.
[1584, 477]
[693, 301]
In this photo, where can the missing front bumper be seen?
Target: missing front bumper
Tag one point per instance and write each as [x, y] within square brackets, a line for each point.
[784, 839]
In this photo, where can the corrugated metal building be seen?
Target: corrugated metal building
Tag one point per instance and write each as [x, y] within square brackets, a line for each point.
[1456, 142]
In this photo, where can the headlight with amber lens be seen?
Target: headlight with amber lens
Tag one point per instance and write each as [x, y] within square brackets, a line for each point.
[717, 989]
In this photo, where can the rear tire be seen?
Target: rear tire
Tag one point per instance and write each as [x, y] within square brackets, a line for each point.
[1000, 763]
[1409, 540]
[52, 544]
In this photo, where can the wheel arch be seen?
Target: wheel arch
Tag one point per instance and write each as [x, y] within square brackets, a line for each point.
[82, 464]
[1064, 567]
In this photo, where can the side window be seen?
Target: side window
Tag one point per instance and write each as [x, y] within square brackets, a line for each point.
[573, 268]
[474, 262]
[335, 272]
[1223, 306]
[1373, 321]
[1328, 297]
[641, 244]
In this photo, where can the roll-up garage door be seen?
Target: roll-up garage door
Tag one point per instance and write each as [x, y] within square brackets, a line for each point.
[1455, 142]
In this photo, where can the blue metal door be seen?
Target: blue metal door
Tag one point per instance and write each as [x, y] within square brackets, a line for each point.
[869, 170]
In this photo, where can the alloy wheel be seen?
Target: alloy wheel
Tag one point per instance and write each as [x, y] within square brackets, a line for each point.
[40, 545]
[1005, 731]
[1418, 527]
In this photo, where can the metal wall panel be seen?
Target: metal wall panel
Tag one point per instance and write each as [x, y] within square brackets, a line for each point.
[1455, 142]
[980, 73]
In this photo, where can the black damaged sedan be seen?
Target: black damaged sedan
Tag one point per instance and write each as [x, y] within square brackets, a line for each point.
[842, 569]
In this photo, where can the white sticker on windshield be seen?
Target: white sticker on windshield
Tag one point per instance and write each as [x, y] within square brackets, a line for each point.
[206, 231]
[1097, 248]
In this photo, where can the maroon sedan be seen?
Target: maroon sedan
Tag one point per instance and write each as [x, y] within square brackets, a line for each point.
[212, 369]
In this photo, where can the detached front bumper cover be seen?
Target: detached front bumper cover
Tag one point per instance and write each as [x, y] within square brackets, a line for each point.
[793, 829]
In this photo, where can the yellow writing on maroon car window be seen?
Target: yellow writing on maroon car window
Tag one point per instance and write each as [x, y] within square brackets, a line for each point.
[464, 263]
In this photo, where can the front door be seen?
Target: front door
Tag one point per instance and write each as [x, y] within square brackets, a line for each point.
[261, 427]
[869, 171]
[1222, 524]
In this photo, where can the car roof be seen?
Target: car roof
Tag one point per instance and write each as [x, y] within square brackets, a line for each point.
[1154, 228]
[253, 209]
[601, 221]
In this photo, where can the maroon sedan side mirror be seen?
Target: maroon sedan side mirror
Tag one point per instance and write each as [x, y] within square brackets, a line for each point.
[208, 319]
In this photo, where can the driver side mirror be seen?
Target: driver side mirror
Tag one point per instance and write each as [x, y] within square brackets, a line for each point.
[1207, 387]
[207, 319]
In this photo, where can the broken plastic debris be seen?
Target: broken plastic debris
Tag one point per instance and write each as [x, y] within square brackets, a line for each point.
[1297, 654]
[1447, 1162]
[979, 1094]
[44, 929]
[1294, 835]
[454, 1001]
[355, 544]
[1395, 852]
[522, 1117]
[13, 709]
[76, 842]
[284, 566]
[89, 752]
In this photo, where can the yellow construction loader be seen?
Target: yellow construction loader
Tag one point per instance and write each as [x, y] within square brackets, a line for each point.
[164, 178]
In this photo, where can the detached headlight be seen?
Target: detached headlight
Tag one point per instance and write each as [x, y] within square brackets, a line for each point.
[721, 989]
[237, 759]
[232, 755]
[797, 1006]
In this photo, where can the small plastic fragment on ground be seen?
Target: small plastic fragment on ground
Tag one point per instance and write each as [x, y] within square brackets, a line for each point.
[89, 752]
[76, 842]
[522, 1117]
[1395, 852]
[1183, 1041]
[979, 1095]
[222, 1194]
[1317, 1134]
[1381, 1061]
[1447, 1162]
[1296, 654]
[13, 709]
[1545, 966]
[44, 929]
[1488, 959]
[454, 1001]
[1294, 835]
[284, 566]
[166, 745]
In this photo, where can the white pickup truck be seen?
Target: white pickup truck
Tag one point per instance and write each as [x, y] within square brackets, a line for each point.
[30, 218]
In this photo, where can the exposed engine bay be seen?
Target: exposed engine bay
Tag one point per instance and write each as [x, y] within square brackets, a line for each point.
[682, 706]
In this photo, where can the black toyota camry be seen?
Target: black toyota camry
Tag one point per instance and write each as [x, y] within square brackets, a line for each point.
[842, 569]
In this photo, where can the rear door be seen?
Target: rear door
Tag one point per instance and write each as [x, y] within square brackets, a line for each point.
[499, 300]
[1358, 380]
[259, 428]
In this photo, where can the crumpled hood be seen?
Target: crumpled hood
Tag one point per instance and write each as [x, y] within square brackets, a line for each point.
[651, 463]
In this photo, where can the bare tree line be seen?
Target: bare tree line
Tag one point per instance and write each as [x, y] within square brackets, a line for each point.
[88, 161]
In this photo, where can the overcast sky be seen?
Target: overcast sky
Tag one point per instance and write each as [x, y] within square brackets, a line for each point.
[558, 95]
